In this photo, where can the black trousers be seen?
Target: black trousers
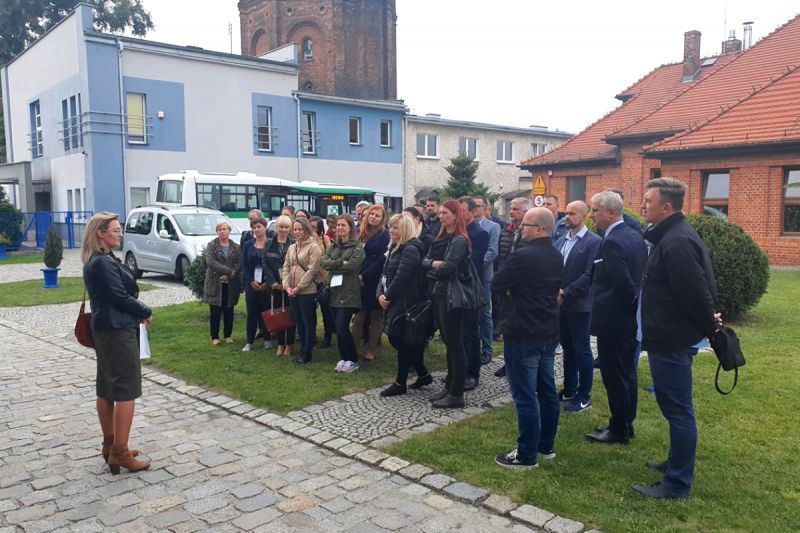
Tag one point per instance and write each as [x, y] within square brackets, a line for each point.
[617, 355]
[408, 356]
[221, 311]
[304, 309]
[472, 342]
[344, 338]
[328, 320]
[257, 302]
[451, 328]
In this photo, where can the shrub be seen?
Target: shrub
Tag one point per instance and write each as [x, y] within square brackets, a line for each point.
[53, 249]
[11, 223]
[195, 276]
[3, 239]
[741, 268]
[639, 219]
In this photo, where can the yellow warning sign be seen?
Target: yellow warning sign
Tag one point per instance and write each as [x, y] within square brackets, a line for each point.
[538, 186]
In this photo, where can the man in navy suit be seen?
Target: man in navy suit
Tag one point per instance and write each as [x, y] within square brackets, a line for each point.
[616, 279]
[579, 250]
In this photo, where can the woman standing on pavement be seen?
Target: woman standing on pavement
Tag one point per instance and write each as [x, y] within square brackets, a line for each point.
[375, 238]
[221, 290]
[300, 272]
[116, 315]
[255, 281]
[277, 247]
[343, 261]
[448, 259]
[324, 242]
[398, 291]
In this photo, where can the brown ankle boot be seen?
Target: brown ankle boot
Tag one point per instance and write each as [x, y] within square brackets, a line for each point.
[121, 456]
[108, 442]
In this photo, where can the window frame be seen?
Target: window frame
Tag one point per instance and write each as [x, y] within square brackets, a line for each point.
[37, 132]
[466, 143]
[788, 201]
[715, 202]
[570, 185]
[388, 124]
[136, 138]
[428, 137]
[350, 123]
[307, 51]
[261, 145]
[310, 121]
[509, 155]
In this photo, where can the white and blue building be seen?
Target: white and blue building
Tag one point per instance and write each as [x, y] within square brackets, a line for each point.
[93, 119]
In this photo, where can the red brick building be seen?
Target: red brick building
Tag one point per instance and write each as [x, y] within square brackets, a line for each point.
[728, 126]
[345, 47]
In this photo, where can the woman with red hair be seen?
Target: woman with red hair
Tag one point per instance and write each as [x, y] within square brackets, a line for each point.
[447, 260]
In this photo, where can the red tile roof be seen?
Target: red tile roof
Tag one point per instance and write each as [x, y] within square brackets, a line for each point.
[653, 90]
[768, 116]
[753, 69]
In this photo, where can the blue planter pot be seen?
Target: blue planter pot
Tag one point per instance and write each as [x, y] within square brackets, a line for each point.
[3, 254]
[50, 277]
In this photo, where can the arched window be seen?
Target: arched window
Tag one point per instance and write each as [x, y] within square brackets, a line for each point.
[259, 44]
[308, 49]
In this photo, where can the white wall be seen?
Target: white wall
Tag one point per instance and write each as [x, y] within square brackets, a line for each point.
[67, 173]
[385, 178]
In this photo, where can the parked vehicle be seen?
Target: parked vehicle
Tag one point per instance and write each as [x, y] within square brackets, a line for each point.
[167, 239]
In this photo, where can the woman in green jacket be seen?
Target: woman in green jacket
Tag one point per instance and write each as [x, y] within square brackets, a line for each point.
[343, 261]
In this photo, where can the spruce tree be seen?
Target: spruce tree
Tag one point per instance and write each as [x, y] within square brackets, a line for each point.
[462, 170]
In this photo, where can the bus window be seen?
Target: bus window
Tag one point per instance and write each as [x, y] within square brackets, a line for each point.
[301, 201]
[170, 191]
[237, 198]
[208, 195]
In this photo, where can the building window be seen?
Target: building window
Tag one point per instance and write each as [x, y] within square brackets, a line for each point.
[468, 146]
[655, 173]
[386, 133]
[140, 196]
[78, 202]
[308, 49]
[576, 188]
[308, 86]
[791, 201]
[71, 128]
[716, 187]
[538, 149]
[70, 204]
[37, 140]
[427, 145]
[308, 132]
[264, 128]
[505, 152]
[355, 130]
[137, 124]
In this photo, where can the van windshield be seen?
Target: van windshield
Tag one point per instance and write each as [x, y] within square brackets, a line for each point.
[194, 224]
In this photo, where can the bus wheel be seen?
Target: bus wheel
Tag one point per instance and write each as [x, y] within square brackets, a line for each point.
[130, 261]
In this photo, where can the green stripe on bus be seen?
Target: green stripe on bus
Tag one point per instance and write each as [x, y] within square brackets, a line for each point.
[236, 214]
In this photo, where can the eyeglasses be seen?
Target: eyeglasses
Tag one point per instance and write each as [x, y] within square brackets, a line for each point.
[115, 230]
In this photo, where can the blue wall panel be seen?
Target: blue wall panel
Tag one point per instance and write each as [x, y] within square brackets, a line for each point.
[284, 120]
[169, 133]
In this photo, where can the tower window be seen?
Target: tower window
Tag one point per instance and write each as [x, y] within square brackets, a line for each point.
[308, 86]
[308, 49]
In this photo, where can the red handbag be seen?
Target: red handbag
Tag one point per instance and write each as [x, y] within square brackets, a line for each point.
[83, 326]
[277, 319]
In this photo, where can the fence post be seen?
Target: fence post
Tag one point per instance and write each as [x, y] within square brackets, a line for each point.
[70, 229]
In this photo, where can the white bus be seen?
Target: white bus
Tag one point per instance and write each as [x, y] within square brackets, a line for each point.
[236, 194]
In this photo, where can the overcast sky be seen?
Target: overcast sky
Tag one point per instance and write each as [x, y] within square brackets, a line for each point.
[516, 62]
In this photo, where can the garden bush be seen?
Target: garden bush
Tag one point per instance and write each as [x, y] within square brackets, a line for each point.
[631, 212]
[11, 224]
[741, 268]
[53, 249]
[195, 276]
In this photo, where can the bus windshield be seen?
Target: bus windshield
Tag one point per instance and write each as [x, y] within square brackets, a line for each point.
[170, 192]
[195, 224]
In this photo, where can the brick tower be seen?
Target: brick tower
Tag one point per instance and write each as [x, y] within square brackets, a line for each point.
[345, 47]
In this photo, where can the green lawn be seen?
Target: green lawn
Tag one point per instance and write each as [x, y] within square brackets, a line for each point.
[18, 259]
[748, 471]
[180, 343]
[31, 292]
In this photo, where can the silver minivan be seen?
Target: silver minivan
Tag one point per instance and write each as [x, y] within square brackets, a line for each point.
[167, 239]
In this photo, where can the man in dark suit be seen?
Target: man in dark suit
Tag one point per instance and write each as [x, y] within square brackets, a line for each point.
[617, 275]
[479, 238]
[579, 249]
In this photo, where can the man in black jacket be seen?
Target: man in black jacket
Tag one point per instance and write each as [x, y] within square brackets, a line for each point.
[529, 283]
[678, 302]
[615, 284]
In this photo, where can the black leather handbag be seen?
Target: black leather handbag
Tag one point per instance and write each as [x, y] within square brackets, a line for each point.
[418, 324]
[466, 291]
[726, 346]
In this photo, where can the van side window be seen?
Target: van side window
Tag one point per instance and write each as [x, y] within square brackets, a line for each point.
[166, 224]
[145, 223]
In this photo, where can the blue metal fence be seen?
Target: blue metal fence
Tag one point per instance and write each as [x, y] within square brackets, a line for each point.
[31, 229]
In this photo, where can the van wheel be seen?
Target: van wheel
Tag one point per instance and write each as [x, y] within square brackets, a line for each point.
[130, 261]
[183, 267]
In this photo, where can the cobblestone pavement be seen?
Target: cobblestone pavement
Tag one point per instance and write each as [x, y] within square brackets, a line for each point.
[212, 470]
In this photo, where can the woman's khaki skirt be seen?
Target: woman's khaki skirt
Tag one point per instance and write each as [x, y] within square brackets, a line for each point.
[119, 369]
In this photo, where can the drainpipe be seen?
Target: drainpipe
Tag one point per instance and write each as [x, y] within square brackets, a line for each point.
[299, 137]
[403, 158]
[122, 122]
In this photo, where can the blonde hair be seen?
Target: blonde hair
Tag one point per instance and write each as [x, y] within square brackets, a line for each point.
[91, 242]
[284, 220]
[405, 227]
[223, 223]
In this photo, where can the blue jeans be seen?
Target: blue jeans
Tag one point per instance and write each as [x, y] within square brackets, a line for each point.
[672, 378]
[578, 359]
[304, 309]
[531, 374]
[486, 323]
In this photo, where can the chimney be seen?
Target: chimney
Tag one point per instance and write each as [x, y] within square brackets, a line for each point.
[691, 54]
[747, 35]
[732, 45]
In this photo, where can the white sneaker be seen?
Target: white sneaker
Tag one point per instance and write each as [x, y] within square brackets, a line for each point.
[247, 347]
[339, 365]
[349, 366]
[267, 345]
